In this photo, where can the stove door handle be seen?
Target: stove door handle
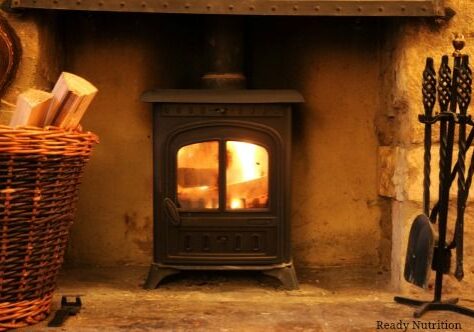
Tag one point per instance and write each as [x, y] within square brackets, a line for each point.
[171, 211]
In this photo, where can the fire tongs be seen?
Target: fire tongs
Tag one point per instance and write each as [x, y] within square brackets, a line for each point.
[424, 252]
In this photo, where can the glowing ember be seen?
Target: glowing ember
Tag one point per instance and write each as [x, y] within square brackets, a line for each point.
[237, 203]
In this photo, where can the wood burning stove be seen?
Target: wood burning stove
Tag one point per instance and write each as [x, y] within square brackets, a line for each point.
[222, 181]
[222, 169]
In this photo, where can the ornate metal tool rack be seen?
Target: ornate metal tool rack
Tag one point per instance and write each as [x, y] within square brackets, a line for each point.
[454, 91]
[249, 7]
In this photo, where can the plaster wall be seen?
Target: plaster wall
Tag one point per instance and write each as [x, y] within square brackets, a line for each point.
[338, 217]
[115, 213]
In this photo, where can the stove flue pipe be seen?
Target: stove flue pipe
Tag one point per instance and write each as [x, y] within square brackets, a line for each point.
[225, 53]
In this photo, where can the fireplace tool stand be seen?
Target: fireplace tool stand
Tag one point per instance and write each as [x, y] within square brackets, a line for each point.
[454, 93]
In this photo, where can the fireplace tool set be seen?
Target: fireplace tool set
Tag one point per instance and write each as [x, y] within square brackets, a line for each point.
[425, 252]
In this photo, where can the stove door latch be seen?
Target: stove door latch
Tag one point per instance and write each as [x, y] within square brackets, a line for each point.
[171, 211]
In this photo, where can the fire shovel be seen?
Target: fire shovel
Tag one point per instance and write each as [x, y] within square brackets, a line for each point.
[421, 239]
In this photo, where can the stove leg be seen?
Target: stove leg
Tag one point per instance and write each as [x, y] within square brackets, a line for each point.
[157, 274]
[286, 275]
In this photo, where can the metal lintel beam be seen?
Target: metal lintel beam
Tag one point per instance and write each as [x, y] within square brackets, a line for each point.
[249, 7]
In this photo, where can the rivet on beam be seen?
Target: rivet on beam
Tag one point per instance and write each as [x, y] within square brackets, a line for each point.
[423, 9]
[440, 12]
[274, 8]
[143, 4]
[295, 8]
[209, 7]
[122, 4]
[165, 5]
[252, 8]
[338, 9]
[231, 7]
[55, 2]
[187, 5]
[403, 8]
[316, 8]
[380, 9]
[359, 9]
[78, 2]
[101, 3]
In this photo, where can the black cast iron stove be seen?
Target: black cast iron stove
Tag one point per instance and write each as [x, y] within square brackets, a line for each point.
[222, 173]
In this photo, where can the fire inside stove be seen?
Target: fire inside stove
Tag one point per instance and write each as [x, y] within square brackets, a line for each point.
[245, 178]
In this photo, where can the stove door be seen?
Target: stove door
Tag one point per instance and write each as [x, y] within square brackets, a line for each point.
[222, 201]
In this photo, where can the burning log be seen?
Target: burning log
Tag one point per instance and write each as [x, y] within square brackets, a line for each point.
[248, 194]
[241, 195]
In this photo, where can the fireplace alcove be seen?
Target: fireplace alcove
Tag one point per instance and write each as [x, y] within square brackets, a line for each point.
[355, 108]
[335, 140]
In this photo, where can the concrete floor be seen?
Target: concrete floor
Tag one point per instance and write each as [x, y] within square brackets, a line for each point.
[338, 299]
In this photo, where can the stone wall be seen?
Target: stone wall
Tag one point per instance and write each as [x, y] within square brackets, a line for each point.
[40, 59]
[401, 155]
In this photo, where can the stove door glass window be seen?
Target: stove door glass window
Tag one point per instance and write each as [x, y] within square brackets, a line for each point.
[246, 176]
[198, 174]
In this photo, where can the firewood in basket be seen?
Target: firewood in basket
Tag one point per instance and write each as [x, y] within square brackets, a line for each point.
[72, 96]
[31, 108]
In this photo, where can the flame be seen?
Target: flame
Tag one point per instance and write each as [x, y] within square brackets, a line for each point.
[243, 160]
[247, 175]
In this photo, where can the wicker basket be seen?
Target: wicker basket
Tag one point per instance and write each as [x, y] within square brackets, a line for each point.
[40, 171]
